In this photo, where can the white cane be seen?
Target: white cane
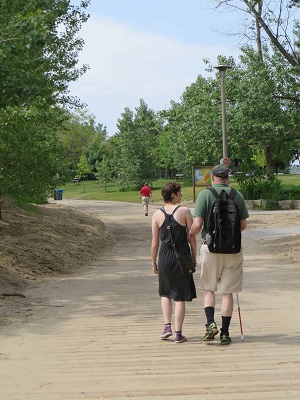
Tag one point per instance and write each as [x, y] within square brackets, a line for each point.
[239, 311]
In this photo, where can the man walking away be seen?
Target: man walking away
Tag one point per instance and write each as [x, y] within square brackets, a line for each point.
[218, 270]
[145, 194]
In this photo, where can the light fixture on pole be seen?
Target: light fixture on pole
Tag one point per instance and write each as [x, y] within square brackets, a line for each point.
[222, 69]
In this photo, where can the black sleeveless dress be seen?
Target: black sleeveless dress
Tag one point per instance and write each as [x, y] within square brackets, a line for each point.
[172, 283]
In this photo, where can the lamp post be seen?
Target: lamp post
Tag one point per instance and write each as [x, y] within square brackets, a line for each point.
[222, 70]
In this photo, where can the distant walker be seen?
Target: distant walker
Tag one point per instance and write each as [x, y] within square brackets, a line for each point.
[145, 195]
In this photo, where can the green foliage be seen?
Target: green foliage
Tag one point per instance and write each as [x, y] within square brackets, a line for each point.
[256, 187]
[289, 192]
[269, 188]
[38, 58]
[83, 166]
[271, 204]
[137, 143]
[31, 163]
[80, 134]
[103, 171]
[39, 50]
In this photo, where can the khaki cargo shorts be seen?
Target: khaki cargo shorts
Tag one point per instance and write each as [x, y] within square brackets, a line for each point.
[145, 200]
[221, 271]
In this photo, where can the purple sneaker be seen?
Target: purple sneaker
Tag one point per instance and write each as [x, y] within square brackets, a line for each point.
[179, 338]
[167, 332]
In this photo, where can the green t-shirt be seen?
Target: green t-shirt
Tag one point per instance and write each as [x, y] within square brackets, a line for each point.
[206, 199]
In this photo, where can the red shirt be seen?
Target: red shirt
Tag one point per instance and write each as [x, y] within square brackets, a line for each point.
[145, 191]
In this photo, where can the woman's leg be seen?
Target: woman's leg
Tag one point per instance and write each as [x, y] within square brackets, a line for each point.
[179, 315]
[166, 306]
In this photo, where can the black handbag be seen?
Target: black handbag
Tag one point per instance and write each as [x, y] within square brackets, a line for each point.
[185, 262]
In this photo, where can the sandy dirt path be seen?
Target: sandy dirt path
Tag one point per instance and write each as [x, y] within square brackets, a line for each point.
[95, 335]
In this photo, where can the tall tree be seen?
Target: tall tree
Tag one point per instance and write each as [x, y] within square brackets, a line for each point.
[138, 138]
[277, 19]
[38, 58]
[259, 116]
[39, 50]
[81, 134]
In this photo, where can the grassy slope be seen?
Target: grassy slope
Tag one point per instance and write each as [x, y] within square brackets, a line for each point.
[90, 190]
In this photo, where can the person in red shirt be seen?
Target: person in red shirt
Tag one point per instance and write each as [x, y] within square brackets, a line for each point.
[145, 195]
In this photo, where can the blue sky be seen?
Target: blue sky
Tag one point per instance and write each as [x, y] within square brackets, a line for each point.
[149, 49]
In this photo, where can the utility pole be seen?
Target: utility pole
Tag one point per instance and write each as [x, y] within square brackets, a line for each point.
[222, 70]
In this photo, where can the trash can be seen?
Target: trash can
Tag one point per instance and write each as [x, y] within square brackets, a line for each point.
[58, 194]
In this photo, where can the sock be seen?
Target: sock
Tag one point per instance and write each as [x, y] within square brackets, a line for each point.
[210, 314]
[225, 324]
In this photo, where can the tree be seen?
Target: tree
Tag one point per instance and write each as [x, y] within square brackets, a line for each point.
[38, 58]
[30, 155]
[97, 148]
[79, 133]
[257, 113]
[137, 140]
[39, 50]
[195, 126]
[103, 170]
[274, 18]
[83, 166]
[258, 118]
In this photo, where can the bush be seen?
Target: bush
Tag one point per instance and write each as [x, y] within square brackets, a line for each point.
[271, 204]
[289, 192]
[259, 187]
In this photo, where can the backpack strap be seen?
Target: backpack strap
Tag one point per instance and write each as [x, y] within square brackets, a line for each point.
[214, 192]
[164, 211]
[232, 193]
[175, 209]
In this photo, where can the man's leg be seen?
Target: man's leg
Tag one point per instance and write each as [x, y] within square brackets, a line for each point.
[146, 206]
[209, 308]
[226, 310]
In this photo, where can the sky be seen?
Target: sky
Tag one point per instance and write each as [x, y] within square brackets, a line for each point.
[146, 49]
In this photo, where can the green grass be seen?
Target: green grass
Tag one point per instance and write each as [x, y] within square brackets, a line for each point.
[90, 190]
[290, 179]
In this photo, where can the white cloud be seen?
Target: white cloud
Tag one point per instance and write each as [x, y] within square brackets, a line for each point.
[127, 64]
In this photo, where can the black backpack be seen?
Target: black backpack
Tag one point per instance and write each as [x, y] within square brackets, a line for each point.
[224, 225]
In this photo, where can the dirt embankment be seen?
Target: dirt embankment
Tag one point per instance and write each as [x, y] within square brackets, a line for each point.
[52, 241]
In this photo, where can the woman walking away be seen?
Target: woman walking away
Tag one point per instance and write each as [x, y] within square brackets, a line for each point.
[145, 194]
[173, 284]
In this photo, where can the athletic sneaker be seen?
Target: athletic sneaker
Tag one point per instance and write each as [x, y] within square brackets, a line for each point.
[179, 338]
[211, 332]
[167, 332]
[225, 338]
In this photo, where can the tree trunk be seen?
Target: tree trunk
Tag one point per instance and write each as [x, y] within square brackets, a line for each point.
[274, 40]
[269, 161]
[258, 29]
[168, 173]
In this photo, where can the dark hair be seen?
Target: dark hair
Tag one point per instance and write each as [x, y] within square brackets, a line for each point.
[168, 189]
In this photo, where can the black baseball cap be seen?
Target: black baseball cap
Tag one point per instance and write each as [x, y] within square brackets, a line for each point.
[221, 171]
